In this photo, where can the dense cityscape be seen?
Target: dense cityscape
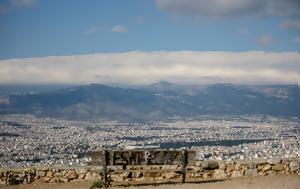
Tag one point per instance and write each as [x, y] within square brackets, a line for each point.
[30, 141]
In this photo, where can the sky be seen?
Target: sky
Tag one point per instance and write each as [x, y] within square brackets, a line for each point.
[145, 41]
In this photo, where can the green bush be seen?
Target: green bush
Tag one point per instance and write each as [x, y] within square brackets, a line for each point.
[13, 181]
[97, 184]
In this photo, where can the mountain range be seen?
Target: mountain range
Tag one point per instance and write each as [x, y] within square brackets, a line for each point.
[157, 101]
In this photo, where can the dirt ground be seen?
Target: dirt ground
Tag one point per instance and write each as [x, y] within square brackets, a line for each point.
[271, 182]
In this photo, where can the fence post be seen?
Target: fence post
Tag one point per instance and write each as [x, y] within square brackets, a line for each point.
[104, 169]
[184, 161]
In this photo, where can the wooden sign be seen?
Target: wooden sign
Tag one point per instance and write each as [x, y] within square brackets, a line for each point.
[142, 157]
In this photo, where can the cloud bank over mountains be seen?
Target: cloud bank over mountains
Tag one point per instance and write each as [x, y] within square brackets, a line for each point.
[137, 68]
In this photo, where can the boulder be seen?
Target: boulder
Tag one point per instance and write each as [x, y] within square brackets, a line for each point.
[40, 173]
[236, 174]
[71, 175]
[273, 161]
[210, 164]
[266, 167]
[294, 166]
[219, 174]
[251, 173]
[222, 165]
[278, 167]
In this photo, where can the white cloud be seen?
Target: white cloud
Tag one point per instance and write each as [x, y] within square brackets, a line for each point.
[231, 8]
[252, 67]
[119, 29]
[290, 24]
[266, 40]
[297, 39]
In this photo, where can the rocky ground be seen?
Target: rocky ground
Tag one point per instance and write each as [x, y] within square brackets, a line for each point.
[263, 182]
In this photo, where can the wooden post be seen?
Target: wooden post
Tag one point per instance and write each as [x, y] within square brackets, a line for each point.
[184, 159]
[104, 169]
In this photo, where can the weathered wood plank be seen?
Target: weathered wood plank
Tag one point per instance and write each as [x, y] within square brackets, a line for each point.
[143, 157]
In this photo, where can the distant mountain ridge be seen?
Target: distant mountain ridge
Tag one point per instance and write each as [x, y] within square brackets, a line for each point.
[157, 101]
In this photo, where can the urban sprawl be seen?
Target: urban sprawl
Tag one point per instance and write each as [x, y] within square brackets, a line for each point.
[26, 140]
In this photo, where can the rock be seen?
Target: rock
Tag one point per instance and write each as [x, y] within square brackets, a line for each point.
[71, 175]
[92, 176]
[251, 173]
[198, 163]
[236, 174]
[271, 172]
[294, 166]
[137, 174]
[206, 175]
[64, 180]
[266, 167]
[273, 161]
[170, 175]
[229, 168]
[219, 174]
[81, 171]
[205, 164]
[41, 173]
[260, 161]
[278, 167]
[49, 174]
[58, 174]
[197, 169]
[81, 176]
[209, 165]
[251, 165]
[222, 165]
[116, 178]
[238, 167]
[285, 162]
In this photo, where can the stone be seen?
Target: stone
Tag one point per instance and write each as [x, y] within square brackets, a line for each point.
[251, 173]
[285, 162]
[49, 174]
[90, 176]
[170, 175]
[273, 161]
[197, 169]
[294, 166]
[137, 174]
[260, 161]
[229, 168]
[271, 172]
[266, 167]
[64, 180]
[81, 171]
[209, 165]
[219, 174]
[222, 165]
[236, 174]
[81, 176]
[71, 175]
[238, 167]
[58, 174]
[205, 164]
[278, 167]
[251, 165]
[198, 163]
[41, 173]
[206, 175]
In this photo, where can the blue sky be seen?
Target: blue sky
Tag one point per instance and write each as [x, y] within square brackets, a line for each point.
[34, 28]
[146, 41]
